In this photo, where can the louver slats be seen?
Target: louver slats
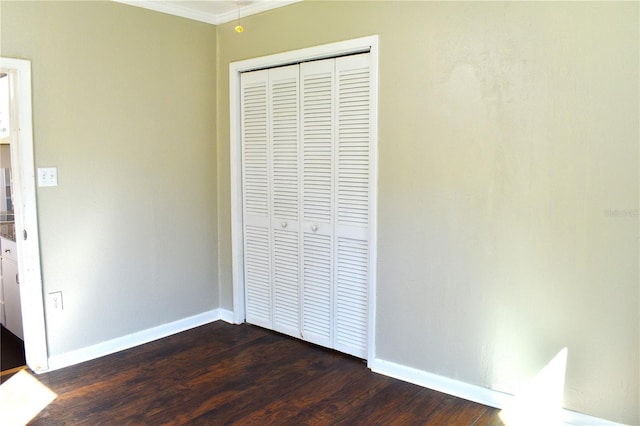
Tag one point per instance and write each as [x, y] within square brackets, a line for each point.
[284, 134]
[317, 285]
[353, 147]
[285, 282]
[257, 281]
[255, 148]
[352, 278]
[317, 140]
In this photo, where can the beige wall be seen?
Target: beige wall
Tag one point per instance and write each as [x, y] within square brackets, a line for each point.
[124, 107]
[508, 177]
[508, 140]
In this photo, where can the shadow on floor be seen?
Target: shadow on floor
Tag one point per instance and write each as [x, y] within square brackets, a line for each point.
[11, 352]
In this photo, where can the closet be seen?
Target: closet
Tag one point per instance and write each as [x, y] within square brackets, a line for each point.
[307, 192]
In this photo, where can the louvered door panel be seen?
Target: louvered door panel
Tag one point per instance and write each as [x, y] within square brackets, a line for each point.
[352, 195]
[317, 108]
[284, 107]
[256, 194]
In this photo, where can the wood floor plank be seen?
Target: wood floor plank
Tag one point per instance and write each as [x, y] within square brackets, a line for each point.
[455, 411]
[113, 384]
[308, 403]
[253, 383]
[351, 395]
[228, 374]
[389, 404]
[490, 418]
[306, 398]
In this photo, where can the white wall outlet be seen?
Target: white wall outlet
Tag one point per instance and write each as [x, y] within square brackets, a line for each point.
[47, 176]
[55, 300]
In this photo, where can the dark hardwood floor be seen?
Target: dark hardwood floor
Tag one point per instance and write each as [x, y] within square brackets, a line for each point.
[227, 374]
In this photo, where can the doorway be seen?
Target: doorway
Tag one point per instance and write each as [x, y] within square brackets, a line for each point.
[19, 135]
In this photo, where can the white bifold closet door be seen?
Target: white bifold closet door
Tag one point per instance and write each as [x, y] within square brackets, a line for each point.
[306, 149]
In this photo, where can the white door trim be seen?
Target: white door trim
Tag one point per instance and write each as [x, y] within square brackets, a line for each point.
[363, 44]
[25, 207]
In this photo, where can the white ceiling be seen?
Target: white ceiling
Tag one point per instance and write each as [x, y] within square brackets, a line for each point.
[209, 11]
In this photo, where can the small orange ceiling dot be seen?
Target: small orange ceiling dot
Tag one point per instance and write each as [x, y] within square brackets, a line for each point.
[239, 28]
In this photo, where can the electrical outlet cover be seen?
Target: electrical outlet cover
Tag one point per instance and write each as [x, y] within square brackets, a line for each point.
[55, 301]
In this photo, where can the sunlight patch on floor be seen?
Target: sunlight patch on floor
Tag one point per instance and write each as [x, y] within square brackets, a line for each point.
[22, 397]
[540, 402]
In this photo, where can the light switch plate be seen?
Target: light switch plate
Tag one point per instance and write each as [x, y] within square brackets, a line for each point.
[47, 176]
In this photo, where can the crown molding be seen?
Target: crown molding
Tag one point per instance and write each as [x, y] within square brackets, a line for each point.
[173, 8]
[252, 9]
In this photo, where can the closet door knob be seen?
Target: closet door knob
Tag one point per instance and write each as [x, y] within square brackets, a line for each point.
[283, 224]
[314, 228]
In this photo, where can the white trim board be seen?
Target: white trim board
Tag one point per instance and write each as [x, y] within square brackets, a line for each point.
[364, 44]
[226, 315]
[139, 338]
[470, 392]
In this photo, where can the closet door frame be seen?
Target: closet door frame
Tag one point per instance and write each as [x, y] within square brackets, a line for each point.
[359, 45]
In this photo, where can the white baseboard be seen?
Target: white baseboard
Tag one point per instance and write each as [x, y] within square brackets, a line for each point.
[129, 341]
[470, 392]
[422, 378]
[226, 315]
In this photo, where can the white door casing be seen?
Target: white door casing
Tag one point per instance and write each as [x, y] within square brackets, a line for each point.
[25, 207]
